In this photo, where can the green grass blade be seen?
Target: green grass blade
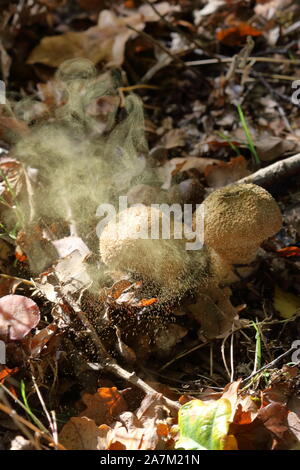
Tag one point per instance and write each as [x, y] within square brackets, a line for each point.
[248, 135]
[28, 409]
[258, 354]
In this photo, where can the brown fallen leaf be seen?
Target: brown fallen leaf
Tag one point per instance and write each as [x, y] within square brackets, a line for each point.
[11, 127]
[178, 165]
[71, 271]
[12, 173]
[223, 173]
[237, 34]
[106, 41]
[8, 285]
[294, 424]
[146, 429]
[173, 138]
[128, 435]
[40, 340]
[271, 147]
[269, 430]
[103, 406]
[231, 394]
[6, 372]
[270, 8]
[274, 418]
[80, 434]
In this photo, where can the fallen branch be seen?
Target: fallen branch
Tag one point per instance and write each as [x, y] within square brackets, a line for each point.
[274, 173]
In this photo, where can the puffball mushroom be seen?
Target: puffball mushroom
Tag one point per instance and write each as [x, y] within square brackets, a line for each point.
[18, 315]
[237, 219]
[163, 261]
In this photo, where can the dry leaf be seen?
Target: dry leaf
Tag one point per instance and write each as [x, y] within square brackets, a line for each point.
[223, 173]
[286, 303]
[231, 394]
[173, 138]
[146, 429]
[8, 285]
[6, 372]
[80, 434]
[18, 315]
[237, 34]
[40, 340]
[104, 405]
[177, 165]
[66, 246]
[72, 273]
[106, 41]
[271, 147]
[131, 436]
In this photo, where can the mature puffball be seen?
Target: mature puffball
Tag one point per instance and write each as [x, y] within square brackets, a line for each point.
[162, 261]
[238, 219]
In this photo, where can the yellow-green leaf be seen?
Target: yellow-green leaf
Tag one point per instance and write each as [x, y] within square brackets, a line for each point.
[286, 303]
[204, 426]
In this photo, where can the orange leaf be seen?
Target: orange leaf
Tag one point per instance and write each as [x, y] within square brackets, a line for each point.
[129, 4]
[6, 372]
[162, 429]
[289, 251]
[104, 405]
[236, 35]
[230, 443]
[13, 391]
[20, 256]
[117, 446]
[147, 302]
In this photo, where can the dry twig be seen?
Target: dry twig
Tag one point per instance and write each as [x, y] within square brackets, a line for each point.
[274, 173]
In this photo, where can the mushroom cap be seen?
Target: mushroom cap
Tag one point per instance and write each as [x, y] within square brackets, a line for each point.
[237, 220]
[163, 261]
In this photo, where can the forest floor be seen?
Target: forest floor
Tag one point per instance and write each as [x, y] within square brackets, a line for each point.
[97, 359]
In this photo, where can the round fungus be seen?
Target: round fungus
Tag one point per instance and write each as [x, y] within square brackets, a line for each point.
[238, 218]
[133, 242]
